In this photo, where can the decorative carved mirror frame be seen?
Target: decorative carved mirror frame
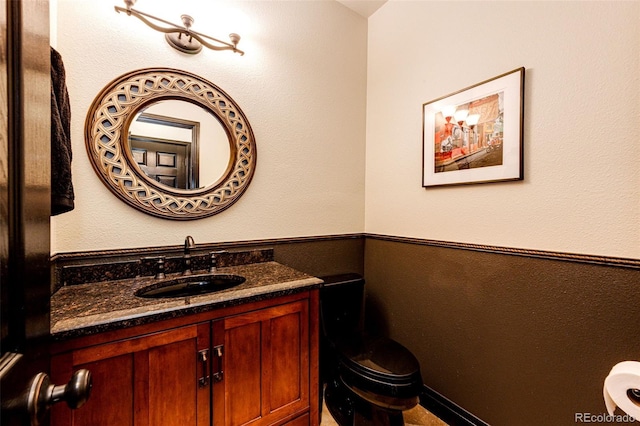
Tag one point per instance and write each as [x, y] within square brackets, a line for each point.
[106, 138]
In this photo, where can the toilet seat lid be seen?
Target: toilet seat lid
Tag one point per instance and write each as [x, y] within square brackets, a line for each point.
[381, 359]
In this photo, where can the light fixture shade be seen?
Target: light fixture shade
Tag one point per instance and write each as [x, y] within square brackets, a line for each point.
[461, 115]
[448, 111]
[472, 119]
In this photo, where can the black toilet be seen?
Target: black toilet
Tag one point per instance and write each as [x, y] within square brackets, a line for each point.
[367, 379]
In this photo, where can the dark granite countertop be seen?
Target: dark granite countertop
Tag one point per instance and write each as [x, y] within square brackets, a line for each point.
[84, 309]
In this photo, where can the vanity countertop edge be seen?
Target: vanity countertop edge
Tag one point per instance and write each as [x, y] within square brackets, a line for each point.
[85, 309]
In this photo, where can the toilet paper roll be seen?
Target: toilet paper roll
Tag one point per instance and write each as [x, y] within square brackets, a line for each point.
[623, 377]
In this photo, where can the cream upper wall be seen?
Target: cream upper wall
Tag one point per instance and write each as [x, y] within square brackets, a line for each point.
[301, 83]
[582, 102]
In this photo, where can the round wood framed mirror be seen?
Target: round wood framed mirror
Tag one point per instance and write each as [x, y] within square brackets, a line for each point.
[146, 137]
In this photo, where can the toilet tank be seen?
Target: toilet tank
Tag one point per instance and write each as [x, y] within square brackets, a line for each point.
[341, 301]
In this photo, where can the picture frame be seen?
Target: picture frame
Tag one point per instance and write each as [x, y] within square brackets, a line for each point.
[475, 135]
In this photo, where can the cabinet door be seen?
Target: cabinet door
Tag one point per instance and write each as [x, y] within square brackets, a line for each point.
[264, 365]
[144, 381]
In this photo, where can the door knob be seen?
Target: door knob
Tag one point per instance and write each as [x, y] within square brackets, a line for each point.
[42, 394]
[75, 393]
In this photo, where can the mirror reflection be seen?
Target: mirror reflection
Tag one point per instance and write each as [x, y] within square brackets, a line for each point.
[179, 144]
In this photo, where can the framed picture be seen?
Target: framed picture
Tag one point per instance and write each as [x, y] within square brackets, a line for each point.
[475, 134]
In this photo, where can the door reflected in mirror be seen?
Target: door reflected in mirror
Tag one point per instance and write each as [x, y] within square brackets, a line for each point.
[180, 145]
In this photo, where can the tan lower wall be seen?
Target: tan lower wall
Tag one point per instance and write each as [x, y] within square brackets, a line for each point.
[513, 339]
[316, 256]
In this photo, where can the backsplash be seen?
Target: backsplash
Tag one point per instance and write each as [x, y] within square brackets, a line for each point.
[146, 265]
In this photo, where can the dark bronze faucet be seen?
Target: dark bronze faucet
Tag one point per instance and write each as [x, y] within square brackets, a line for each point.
[188, 245]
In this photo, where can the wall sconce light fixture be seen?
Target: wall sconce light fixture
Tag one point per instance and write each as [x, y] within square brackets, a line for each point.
[182, 38]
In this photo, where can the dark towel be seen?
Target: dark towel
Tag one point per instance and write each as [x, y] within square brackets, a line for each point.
[61, 185]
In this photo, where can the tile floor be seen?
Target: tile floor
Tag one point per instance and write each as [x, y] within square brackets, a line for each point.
[417, 416]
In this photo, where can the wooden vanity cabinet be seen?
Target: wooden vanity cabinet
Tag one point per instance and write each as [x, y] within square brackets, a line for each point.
[265, 373]
[253, 364]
